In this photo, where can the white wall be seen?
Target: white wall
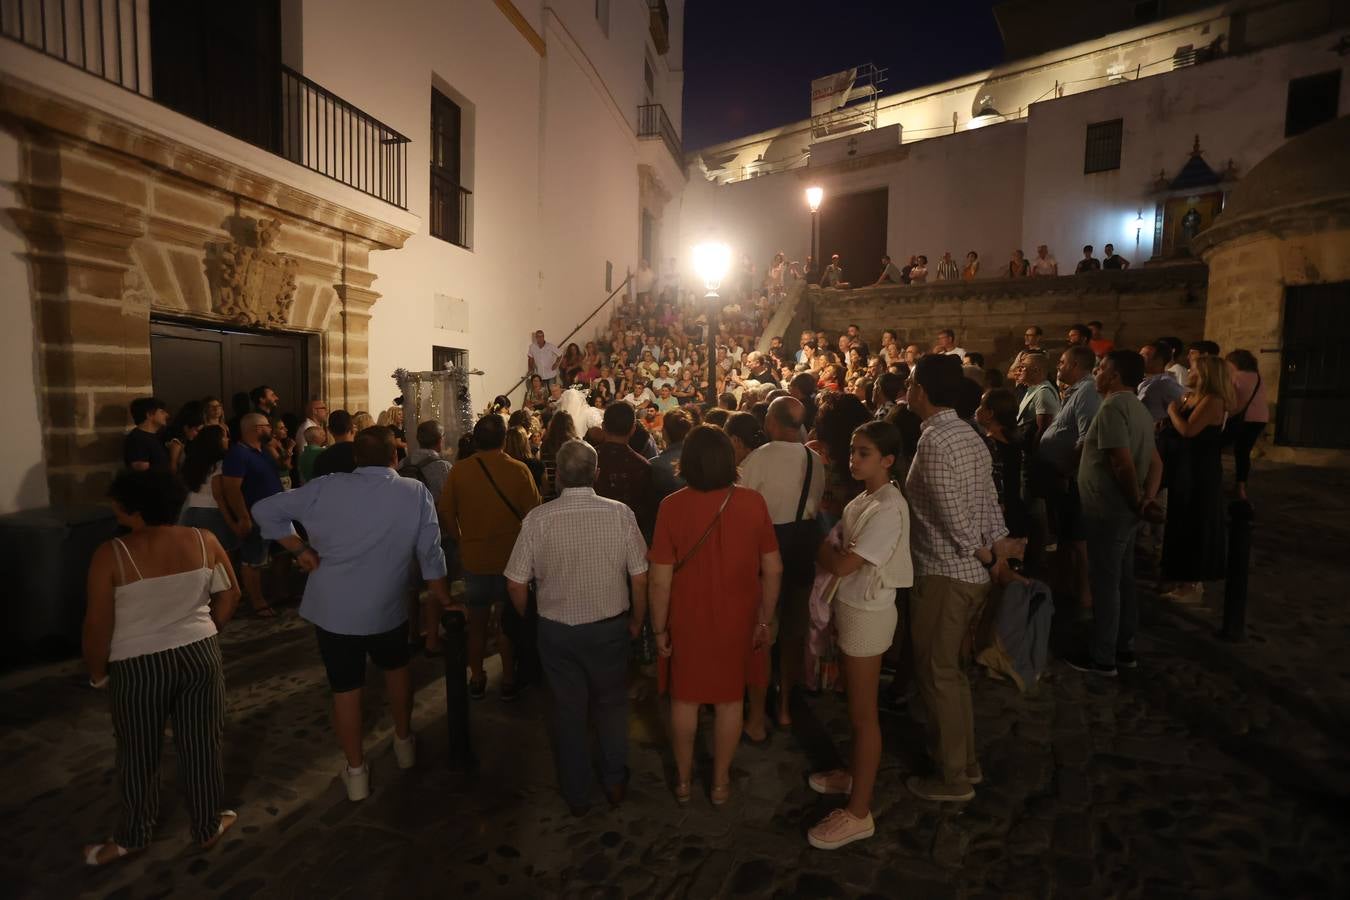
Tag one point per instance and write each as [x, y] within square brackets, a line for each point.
[553, 157]
[961, 192]
[23, 473]
[1235, 105]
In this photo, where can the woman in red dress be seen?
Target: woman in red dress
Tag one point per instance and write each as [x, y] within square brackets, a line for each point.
[713, 587]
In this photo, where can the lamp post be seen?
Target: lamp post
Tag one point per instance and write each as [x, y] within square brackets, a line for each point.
[711, 261]
[813, 198]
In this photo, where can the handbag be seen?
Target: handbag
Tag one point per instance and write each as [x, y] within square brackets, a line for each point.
[1239, 418]
[799, 539]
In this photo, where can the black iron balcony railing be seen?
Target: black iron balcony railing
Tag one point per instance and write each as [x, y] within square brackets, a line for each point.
[654, 123]
[660, 25]
[272, 107]
[450, 211]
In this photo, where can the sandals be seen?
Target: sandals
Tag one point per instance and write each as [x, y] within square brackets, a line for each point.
[93, 852]
[720, 794]
[227, 819]
[100, 855]
[683, 791]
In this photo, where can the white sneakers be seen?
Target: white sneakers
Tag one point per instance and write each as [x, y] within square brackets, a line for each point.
[357, 782]
[405, 750]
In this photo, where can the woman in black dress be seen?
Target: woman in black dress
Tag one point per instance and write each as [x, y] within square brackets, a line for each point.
[1195, 544]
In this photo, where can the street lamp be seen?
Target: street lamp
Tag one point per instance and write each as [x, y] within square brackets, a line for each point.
[711, 262]
[814, 195]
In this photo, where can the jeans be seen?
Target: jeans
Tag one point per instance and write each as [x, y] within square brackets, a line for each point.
[587, 667]
[1115, 606]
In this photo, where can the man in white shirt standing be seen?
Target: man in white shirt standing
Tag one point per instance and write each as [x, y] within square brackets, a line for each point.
[316, 413]
[779, 471]
[585, 619]
[946, 344]
[542, 359]
[1044, 264]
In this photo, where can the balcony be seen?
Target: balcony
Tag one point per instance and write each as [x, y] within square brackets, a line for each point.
[660, 25]
[653, 123]
[268, 105]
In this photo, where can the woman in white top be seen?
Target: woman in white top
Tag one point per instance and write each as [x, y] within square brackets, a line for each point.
[155, 600]
[871, 562]
[202, 474]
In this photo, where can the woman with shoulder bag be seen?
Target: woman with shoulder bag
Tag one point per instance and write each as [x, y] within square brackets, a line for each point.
[156, 598]
[1246, 425]
[714, 581]
[1195, 543]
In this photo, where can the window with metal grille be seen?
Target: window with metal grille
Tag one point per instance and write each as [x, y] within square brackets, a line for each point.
[1312, 101]
[1102, 152]
[449, 198]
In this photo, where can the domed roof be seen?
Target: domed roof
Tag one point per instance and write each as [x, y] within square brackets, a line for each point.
[1307, 169]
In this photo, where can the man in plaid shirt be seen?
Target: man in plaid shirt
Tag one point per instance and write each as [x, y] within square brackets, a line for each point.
[959, 545]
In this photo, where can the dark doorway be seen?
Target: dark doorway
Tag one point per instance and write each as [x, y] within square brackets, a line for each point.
[189, 363]
[854, 226]
[1315, 367]
[220, 63]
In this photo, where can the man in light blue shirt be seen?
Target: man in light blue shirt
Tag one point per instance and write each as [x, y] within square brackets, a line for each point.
[365, 530]
[1056, 459]
[1159, 388]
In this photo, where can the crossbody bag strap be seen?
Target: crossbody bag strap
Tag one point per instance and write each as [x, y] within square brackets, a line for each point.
[806, 486]
[679, 564]
[1256, 387]
[491, 481]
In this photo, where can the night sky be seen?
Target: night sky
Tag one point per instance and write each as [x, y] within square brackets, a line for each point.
[749, 63]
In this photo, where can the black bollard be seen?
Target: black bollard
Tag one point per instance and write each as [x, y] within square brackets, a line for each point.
[1240, 515]
[461, 754]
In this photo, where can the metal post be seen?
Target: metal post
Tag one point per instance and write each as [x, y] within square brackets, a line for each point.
[461, 754]
[815, 256]
[1240, 515]
[713, 303]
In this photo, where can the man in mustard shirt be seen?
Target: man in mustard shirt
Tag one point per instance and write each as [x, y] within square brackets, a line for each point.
[482, 504]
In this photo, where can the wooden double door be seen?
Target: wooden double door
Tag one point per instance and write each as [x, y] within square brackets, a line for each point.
[189, 362]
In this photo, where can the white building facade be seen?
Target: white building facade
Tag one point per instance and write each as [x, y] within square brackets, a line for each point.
[1065, 148]
[436, 181]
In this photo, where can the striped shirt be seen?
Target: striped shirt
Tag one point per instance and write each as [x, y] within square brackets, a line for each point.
[952, 499]
[579, 550]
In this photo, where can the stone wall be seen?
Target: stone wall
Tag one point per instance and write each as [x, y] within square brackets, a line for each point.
[122, 224]
[1135, 306]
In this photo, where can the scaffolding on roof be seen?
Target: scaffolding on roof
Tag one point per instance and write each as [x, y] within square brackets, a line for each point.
[858, 111]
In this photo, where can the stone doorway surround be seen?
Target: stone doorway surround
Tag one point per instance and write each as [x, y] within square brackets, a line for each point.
[122, 223]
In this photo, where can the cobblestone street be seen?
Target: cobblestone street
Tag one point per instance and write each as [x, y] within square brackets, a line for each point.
[1213, 770]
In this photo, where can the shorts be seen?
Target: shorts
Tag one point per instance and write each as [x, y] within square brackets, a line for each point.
[864, 632]
[344, 655]
[482, 591]
[255, 551]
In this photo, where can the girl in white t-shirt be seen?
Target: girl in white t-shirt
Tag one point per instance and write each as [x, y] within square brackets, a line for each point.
[871, 562]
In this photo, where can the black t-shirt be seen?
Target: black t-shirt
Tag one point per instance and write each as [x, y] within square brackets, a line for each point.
[141, 446]
[1112, 262]
[337, 458]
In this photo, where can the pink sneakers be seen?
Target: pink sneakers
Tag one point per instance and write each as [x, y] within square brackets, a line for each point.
[840, 828]
[835, 781]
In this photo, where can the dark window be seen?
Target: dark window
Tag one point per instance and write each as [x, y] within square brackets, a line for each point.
[649, 77]
[1102, 153]
[443, 358]
[1312, 101]
[449, 199]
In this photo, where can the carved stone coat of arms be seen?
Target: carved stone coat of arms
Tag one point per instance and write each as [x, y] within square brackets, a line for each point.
[257, 284]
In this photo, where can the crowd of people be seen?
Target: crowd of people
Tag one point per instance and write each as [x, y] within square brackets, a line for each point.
[917, 270]
[843, 510]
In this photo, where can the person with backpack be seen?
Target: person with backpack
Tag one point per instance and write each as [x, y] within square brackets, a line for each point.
[427, 465]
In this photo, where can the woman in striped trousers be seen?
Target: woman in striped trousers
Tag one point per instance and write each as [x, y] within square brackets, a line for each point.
[155, 600]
